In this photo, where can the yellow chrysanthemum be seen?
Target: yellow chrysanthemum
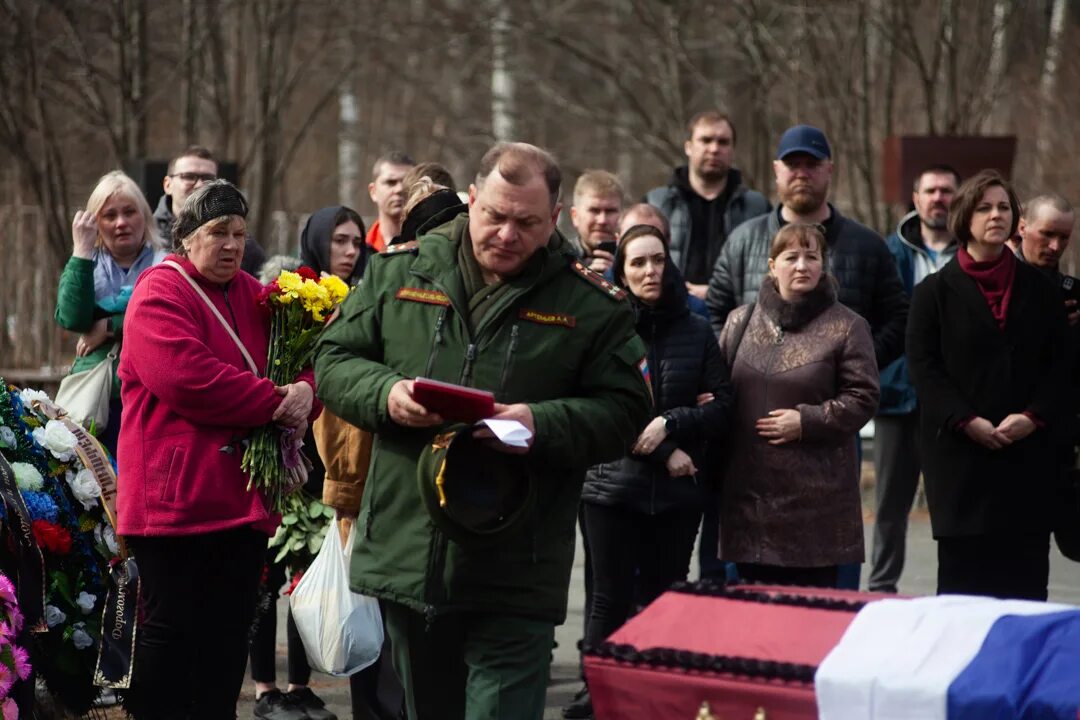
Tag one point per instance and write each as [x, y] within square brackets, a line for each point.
[314, 297]
[337, 288]
[290, 283]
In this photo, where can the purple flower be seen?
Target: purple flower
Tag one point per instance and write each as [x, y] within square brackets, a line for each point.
[7, 678]
[22, 662]
[7, 590]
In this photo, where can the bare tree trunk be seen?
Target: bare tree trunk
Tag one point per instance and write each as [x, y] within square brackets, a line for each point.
[995, 75]
[503, 82]
[1047, 88]
[189, 124]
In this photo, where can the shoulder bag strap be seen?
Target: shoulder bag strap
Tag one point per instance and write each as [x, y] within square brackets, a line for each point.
[217, 313]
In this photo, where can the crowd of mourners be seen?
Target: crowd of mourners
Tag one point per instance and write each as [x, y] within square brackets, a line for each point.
[699, 364]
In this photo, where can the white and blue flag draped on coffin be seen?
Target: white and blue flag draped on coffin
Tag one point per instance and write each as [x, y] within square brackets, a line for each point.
[954, 658]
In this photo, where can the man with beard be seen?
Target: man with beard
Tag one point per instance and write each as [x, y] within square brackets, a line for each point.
[387, 190]
[705, 200]
[858, 258]
[921, 245]
[598, 199]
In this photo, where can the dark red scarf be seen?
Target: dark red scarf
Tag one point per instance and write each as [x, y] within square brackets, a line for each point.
[994, 278]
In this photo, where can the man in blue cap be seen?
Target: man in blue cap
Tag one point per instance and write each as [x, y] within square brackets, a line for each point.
[858, 257]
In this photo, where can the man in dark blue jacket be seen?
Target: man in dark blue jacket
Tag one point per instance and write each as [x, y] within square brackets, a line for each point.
[921, 245]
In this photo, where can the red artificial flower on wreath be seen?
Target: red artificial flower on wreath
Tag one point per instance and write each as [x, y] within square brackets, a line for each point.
[307, 273]
[51, 536]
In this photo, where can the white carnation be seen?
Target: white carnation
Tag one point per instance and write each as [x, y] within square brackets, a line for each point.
[57, 439]
[27, 476]
[85, 488]
[29, 395]
[7, 437]
[86, 602]
[80, 637]
[54, 615]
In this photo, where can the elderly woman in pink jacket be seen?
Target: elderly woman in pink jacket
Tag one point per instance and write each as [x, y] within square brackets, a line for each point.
[190, 401]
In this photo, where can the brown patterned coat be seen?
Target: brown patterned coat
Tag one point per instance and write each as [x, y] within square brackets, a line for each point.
[797, 504]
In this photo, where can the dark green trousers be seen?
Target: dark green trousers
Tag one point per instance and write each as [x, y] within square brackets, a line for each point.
[471, 665]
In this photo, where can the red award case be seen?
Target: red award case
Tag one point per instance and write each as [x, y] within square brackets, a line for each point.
[456, 403]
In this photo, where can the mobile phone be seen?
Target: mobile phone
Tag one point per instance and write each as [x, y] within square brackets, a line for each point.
[1070, 288]
[607, 246]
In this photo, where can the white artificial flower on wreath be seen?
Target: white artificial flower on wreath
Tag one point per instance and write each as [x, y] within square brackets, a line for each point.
[80, 637]
[85, 487]
[54, 615]
[27, 477]
[86, 602]
[29, 395]
[57, 439]
[7, 437]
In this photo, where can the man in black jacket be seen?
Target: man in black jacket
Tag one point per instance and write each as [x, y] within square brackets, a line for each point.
[188, 171]
[858, 257]
[705, 199]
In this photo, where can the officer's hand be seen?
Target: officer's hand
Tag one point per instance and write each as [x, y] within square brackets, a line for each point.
[600, 261]
[405, 411]
[518, 411]
[679, 464]
[1072, 313]
[84, 232]
[653, 434]
[295, 404]
[698, 291]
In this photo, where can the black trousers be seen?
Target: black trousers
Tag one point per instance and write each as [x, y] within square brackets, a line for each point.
[777, 575]
[635, 557]
[1015, 566]
[264, 639]
[196, 602]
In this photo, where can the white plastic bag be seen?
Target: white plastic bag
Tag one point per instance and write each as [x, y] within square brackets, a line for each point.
[342, 631]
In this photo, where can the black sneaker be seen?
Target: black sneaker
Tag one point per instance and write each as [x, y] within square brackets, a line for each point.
[306, 699]
[581, 706]
[275, 705]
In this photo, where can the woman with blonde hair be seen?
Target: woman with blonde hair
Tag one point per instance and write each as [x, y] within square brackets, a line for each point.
[113, 243]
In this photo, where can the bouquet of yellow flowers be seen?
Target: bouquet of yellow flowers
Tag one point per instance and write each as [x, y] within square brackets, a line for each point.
[300, 304]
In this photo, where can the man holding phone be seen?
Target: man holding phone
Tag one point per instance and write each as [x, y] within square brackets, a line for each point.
[598, 202]
[1045, 230]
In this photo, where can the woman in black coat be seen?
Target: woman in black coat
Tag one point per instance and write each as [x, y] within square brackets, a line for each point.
[984, 345]
[641, 513]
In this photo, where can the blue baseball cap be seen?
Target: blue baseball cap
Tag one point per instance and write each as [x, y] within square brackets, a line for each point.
[806, 139]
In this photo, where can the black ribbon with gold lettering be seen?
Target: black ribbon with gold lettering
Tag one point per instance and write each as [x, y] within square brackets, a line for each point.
[29, 562]
[119, 627]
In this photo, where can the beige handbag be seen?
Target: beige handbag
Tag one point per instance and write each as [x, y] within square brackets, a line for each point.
[84, 396]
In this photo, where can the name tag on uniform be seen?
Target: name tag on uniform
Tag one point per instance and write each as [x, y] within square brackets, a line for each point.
[422, 295]
[548, 318]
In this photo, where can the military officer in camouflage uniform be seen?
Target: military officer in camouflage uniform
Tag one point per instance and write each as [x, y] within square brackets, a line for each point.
[495, 300]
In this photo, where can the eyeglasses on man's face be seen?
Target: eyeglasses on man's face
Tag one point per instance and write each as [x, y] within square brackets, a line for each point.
[190, 178]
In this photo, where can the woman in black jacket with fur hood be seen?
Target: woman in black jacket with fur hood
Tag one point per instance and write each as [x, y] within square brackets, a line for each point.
[641, 513]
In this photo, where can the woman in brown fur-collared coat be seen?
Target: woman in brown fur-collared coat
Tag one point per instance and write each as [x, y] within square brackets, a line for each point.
[805, 381]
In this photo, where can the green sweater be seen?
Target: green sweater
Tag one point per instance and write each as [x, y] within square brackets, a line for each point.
[556, 340]
[76, 311]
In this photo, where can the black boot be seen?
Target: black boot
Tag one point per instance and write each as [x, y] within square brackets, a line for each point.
[581, 706]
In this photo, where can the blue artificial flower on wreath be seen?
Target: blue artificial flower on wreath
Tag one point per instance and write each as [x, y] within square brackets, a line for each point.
[41, 506]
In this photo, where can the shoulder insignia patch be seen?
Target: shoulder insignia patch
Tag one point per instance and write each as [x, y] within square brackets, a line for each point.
[409, 247]
[548, 318]
[596, 279]
[421, 295]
